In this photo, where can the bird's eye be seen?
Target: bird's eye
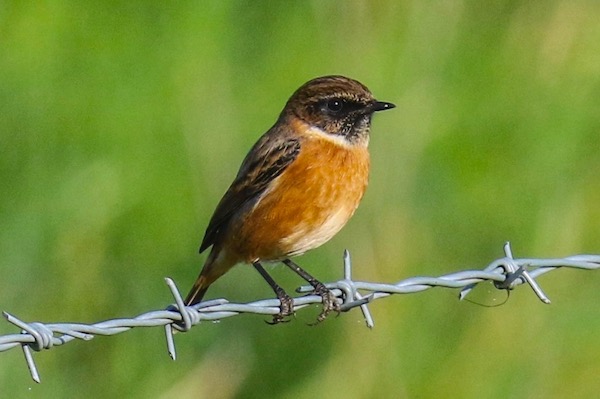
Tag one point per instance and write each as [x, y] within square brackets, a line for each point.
[335, 105]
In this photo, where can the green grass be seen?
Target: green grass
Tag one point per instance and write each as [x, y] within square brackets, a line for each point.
[122, 125]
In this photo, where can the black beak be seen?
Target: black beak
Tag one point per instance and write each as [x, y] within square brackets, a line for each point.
[382, 106]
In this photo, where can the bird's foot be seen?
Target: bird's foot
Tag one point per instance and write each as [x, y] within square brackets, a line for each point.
[286, 309]
[329, 301]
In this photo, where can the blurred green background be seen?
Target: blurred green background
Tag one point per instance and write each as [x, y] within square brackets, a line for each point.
[122, 124]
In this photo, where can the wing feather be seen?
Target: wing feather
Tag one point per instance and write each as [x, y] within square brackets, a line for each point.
[267, 159]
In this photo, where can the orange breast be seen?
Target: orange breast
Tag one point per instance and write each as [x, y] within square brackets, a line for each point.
[307, 204]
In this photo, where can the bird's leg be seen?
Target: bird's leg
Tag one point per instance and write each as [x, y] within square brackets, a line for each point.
[329, 300]
[286, 303]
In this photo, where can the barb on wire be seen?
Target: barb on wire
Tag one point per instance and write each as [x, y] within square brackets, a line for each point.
[506, 273]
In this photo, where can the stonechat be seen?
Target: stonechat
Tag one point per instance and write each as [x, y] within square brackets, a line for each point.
[297, 187]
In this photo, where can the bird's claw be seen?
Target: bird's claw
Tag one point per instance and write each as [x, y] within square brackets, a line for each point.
[286, 309]
[329, 301]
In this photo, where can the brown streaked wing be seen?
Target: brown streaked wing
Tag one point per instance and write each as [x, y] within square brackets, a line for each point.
[266, 160]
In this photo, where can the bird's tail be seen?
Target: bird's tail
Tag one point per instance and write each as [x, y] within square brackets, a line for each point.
[197, 292]
[217, 264]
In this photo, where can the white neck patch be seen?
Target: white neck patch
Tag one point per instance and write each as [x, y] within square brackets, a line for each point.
[334, 138]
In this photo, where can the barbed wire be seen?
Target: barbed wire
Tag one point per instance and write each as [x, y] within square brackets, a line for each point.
[506, 273]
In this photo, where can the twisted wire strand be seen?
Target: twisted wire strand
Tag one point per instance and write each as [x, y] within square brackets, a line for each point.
[506, 273]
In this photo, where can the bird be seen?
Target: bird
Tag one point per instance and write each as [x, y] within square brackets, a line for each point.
[295, 189]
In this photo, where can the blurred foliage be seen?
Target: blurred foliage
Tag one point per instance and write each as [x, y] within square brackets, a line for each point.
[122, 124]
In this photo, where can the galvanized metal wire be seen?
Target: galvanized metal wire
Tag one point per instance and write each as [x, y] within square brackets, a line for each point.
[506, 273]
